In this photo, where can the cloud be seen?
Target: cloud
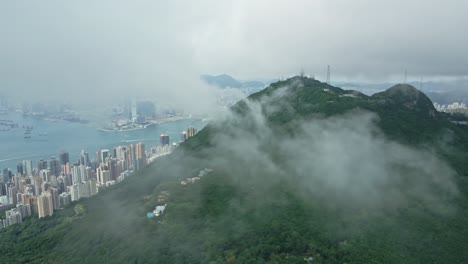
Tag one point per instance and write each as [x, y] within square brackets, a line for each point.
[99, 50]
[345, 160]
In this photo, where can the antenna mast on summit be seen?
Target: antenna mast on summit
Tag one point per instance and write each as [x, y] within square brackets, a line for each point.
[405, 78]
[420, 84]
[328, 75]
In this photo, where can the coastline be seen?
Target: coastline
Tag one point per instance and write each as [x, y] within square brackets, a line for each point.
[154, 123]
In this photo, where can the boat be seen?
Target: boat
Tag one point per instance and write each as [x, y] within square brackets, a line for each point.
[43, 134]
[27, 136]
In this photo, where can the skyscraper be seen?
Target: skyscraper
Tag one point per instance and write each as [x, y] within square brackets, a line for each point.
[98, 157]
[37, 182]
[84, 158]
[45, 205]
[111, 165]
[13, 216]
[140, 151]
[41, 165]
[12, 192]
[45, 175]
[65, 199]
[64, 157]
[19, 168]
[164, 139]
[120, 152]
[28, 167]
[6, 175]
[73, 190]
[183, 136]
[132, 156]
[104, 155]
[191, 131]
[24, 209]
[76, 173]
[54, 194]
[55, 167]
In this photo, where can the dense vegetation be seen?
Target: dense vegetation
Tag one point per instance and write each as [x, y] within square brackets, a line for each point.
[248, 214]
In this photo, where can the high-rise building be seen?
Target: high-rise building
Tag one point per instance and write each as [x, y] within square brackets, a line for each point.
[68, 179]
[64, 157]
[120, 152]
[45, 205]
[73, 190]
[83, 190]
[88, 174]
[13, 216]
[111, 166]
[191, 131]
[164, 139]
[92, 187]
[54, 194]
[19, 168]
[104, 155]
[45, 187]
[65, 199]
[140, 151]
[55, 167]
[132, 155]
[98, 157]
[32, 201]
[7, 174]
[28, 167]
[37, 182]
[67, 169]
[12, 192]
[76, 173]
[183, 136]
[53, 181]
[41, 165]
[84, 158]
[24, 209]
[45, 175]
[16, 180]
[103, 176]
[120, 167]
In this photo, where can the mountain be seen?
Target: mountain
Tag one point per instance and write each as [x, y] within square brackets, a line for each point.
[300, 172]
[442, 92]
[222, 81]
[227, 81]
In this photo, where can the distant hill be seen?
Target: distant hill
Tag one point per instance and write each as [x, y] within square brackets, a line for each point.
[302, 172]
[227, 81]
[442, 92]
[222, 81]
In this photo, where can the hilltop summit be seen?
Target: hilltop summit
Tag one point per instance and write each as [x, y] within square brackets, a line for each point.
[408, 96]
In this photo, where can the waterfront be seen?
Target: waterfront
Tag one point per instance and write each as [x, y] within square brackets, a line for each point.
[48, 138]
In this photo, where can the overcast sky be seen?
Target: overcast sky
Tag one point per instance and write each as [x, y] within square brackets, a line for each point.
[156, 48]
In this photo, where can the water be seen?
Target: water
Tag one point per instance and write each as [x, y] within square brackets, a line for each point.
[74, 137]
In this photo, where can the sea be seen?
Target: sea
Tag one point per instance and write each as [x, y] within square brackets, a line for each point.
[49, 138]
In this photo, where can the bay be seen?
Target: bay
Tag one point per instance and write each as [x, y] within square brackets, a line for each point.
[49, 138]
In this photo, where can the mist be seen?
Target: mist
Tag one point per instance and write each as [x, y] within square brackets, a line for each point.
[344, 160]
[94, 52]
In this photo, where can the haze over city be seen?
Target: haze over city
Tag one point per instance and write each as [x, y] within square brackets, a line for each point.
[94, 50]
[248, 131]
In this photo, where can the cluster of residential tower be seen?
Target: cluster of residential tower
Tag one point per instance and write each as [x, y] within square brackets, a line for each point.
[50, 185]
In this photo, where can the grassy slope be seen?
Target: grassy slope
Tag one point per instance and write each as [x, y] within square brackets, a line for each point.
[223, 221]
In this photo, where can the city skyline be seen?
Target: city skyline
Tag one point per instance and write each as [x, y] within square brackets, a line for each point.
[55, 183]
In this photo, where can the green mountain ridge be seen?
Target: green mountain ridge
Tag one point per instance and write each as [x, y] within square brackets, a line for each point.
[302, 172]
